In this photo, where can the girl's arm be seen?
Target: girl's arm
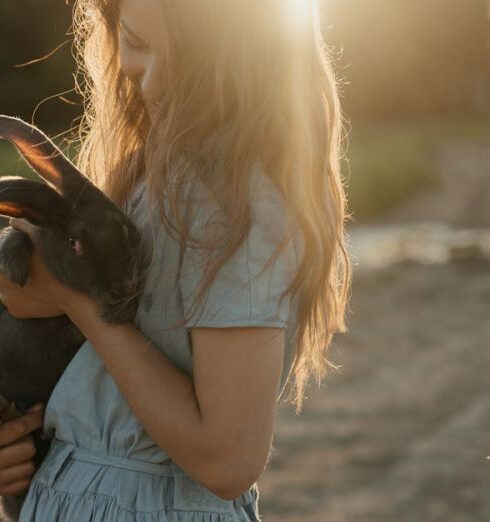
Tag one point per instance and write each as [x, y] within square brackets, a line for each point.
[217, 428]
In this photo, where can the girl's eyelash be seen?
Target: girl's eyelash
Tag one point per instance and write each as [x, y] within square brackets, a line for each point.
[131, 42]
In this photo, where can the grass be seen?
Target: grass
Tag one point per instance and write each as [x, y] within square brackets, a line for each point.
[387, 164]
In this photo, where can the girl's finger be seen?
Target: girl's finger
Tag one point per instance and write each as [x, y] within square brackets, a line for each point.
[15, 488]
[13, 430]
[37, 407]
[24, 470]
[17, 452]
[23, 225]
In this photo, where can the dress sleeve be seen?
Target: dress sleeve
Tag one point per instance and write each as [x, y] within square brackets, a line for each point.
[245, 292]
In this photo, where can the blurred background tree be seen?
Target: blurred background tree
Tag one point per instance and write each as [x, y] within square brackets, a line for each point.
[30, 30]
[413, 59]
[411, 74]
[401, 59]
[414, 75]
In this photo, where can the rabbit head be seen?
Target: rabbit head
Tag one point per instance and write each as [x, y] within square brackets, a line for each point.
[84, 239]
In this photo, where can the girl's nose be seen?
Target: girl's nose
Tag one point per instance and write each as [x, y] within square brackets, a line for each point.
[152, 81]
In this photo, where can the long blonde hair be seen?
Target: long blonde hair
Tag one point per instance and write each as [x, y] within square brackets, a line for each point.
[249, 68]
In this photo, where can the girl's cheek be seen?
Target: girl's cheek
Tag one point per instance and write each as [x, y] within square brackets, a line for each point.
[132, 63]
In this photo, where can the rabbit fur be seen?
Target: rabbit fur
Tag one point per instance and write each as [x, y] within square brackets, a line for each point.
[85, 241]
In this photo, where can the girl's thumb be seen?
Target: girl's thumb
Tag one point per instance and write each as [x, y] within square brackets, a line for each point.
[36, 407]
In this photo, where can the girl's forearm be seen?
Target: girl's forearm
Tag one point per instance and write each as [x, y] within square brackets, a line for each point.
[161, 395]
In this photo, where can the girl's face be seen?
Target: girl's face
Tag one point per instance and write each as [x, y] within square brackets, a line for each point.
[140, 40]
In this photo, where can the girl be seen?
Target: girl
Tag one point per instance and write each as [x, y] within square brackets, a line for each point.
[216, 126]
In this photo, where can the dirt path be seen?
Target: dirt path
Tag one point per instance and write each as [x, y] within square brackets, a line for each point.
[462, 196]
[402, 434]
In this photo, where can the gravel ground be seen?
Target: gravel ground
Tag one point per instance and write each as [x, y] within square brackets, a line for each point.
[401, 432]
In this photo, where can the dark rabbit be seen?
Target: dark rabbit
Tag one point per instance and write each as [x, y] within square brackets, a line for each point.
[85, 241]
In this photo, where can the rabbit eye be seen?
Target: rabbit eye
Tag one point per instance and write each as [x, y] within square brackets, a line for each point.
[76, 245]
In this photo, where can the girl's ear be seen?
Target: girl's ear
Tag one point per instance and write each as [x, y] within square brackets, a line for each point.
[43, 156]
[33, 201]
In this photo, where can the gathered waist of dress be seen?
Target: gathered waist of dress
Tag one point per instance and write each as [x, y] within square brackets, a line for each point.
[163, 470]
[69, 471]
[61, 452]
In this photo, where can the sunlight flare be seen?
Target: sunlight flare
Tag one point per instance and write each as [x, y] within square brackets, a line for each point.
[299, 12]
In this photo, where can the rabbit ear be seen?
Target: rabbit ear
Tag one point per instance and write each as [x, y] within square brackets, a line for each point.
[32, 200]
[43, 156]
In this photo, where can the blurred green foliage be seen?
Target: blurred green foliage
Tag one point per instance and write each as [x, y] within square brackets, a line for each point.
[397, 61]
[32, 29]
[387, 163]
[12, 163]
[386, 166]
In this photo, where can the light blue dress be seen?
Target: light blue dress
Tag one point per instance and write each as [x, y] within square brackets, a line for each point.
[102, 465]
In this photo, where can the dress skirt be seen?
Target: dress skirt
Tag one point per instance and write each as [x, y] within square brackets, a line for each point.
[75, 485]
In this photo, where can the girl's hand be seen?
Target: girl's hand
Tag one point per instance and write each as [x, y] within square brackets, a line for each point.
[42, 295]
[17, 451]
